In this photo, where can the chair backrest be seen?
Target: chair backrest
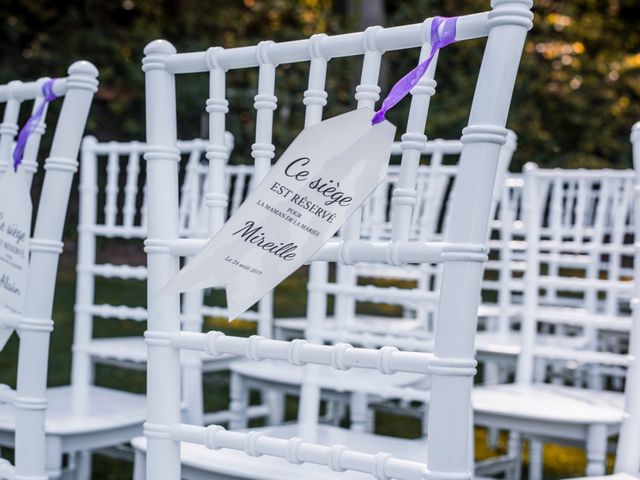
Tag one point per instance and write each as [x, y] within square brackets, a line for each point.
[577, 250]
[35, 325]
[429, 221]
[433, 183]
[113, 205]
[628, 452]
[503, 284]
[452, 364]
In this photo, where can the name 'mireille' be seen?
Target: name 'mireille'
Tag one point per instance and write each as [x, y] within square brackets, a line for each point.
[253, 234]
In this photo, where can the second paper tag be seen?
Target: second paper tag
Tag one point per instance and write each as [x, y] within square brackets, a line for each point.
[316, 185]
[15, 227]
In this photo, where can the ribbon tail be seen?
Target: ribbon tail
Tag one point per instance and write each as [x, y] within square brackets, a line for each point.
[403, 86]
[31, 124]
[239, 300]
[196, 275]
[23, 137]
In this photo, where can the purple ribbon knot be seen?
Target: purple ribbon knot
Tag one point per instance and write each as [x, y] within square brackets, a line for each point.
[32, 123]
[406, 83]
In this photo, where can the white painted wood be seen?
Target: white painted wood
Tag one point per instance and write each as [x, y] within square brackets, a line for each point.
[463, 252]
[24, 415]
[125, 219]
[627, 465]
[627, 455]
[574, 220]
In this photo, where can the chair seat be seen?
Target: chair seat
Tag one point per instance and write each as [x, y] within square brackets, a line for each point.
[549, 346]
[369, 323]
[499, 343]
[615, 476]
[553, 403]
[579, 316]
[236, 463]
[488, 310]
[73, 411]
[355, 379]
[134, 350]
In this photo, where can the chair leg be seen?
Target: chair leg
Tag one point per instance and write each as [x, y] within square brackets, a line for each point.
[425, 420]
[371, 421]
[139, 466]
[275, 402]
[492, 377]
[595, 377]
[493, 436]
[359, 412]
[239, 403]
[515, 452]
[596, 450]
[53, 457]
[193, 389]
[83, 467]
[336, 412]
[536, 463]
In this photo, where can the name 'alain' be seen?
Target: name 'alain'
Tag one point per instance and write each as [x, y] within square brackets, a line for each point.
[253, 234]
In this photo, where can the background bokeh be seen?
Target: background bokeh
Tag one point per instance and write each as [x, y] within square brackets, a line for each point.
[576, 98]
[575, 101]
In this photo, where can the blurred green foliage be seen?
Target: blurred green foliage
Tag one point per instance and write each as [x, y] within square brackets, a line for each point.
[575, 101]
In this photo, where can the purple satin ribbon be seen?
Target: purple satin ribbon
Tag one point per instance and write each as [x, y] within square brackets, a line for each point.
[32, 123]
[406, 83]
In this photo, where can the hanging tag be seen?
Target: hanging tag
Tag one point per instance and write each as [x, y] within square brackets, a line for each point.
[15, 228]
[319, 181]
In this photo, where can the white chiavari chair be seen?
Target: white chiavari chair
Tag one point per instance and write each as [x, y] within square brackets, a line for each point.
[562, 369]
[22, 411]
[627, 464]
[124, 216]
[433, 178]
[117, 211]
[451, 365]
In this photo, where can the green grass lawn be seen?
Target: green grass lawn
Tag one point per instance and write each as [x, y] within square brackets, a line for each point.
[289, 300]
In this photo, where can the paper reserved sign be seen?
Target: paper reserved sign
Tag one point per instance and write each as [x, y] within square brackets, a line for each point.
[15, 228]
[319, 181]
